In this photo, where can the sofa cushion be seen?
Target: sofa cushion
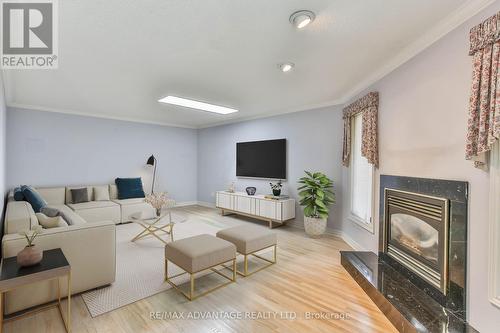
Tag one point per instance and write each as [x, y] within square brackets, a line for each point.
[53, 195]
[129, 188]
[101, 193]
[113, 192]
[34, 198]
[92, 205]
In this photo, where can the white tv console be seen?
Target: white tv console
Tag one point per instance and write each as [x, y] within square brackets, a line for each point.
[256, 206]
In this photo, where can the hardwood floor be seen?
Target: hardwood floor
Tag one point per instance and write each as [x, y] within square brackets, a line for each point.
[307, 278]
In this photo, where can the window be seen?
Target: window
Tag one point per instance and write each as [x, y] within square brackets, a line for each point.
[361, 179]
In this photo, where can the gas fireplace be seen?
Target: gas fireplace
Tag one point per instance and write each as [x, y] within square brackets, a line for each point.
[416, 234]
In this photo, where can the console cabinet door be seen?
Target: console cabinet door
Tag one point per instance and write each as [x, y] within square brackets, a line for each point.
[244, 205]
[224, 200]
[267, 209]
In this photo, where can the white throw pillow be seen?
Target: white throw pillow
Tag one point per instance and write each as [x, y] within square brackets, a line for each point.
[101, 193]
[50, 222]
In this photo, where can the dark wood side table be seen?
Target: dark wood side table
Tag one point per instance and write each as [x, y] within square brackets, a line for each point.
[53, 266]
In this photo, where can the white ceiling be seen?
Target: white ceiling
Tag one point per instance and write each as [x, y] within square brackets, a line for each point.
[117, 58]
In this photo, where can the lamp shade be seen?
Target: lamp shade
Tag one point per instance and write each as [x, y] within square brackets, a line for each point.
[151, 160]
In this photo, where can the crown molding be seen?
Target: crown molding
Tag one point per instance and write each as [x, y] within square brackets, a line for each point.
[445, 26]
[95, 115]
[276, 113]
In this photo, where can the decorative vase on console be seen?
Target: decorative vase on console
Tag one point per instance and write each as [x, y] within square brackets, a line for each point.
[31, 254]
[276, 188]
[159, 201]
[251, 190]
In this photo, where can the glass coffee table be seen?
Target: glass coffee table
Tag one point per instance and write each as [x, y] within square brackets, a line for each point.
[156, 227]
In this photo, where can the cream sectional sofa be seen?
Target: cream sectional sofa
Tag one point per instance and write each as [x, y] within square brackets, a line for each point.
[89, 244]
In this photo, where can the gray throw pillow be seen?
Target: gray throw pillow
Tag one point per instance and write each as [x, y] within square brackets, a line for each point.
[79, 195]
[50, 211]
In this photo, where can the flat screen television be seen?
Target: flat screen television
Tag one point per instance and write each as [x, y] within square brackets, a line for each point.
[261, 159]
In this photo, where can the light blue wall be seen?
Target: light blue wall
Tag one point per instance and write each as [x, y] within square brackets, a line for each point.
[51, 149]
[314, 140]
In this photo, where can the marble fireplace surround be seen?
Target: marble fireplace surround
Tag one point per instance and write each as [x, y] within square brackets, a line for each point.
[457, 194]
[408, 301]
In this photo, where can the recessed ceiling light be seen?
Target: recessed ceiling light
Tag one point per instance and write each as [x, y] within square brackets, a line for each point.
[302, 18]
[189, 103]
[286, 66]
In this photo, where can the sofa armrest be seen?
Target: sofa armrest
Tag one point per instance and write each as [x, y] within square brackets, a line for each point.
[19, 216]
[90, 249]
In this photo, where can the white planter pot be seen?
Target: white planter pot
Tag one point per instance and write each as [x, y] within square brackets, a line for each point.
[314, 226]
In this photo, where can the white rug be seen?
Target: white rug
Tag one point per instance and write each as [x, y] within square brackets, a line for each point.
[140, 265]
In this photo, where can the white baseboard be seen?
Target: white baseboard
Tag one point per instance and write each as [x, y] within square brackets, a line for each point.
[206, 204]
[346, 238]
[331, 231]
[195, 203]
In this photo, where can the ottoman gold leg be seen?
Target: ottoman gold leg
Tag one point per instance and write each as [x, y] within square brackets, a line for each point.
[234, 269]
[191, 287]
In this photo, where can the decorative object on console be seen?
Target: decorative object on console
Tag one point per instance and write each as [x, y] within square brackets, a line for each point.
[251, 190]
[30, 255]
[231, 187]
[276, 188]
[152, 162]
[79, 195]
[159, 201]
[129, 188]
[315, 195]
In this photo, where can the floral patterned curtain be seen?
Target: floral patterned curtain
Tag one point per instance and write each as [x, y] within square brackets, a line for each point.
[368, 105]
[483, 128]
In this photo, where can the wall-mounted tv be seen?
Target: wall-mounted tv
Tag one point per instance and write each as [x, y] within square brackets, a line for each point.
[261, 159]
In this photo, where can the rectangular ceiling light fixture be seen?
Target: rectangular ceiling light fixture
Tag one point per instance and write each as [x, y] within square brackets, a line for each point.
[188, 103]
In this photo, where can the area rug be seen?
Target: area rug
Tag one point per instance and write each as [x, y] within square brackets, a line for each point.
[140, 265]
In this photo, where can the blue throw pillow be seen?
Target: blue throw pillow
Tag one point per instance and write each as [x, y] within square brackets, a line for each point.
[34, 198]
[18, 194]
[129, 188]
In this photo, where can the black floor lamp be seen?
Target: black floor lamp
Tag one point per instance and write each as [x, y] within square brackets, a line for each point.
[152, 161]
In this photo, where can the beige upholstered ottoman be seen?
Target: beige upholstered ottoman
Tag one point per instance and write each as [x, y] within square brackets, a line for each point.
[199, 253]
[248, 240]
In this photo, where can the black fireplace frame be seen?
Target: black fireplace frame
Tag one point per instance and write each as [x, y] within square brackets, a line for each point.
[430, 209]
[457, 193]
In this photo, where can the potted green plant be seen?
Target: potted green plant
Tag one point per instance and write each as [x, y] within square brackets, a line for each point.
[316, 195]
